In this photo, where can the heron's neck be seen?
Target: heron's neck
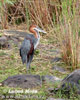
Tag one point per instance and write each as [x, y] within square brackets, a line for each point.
[37, 39]
[38, 35]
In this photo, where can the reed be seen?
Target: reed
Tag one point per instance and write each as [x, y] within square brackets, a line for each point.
[69, 26]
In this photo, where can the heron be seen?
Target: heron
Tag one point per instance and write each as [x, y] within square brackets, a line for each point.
[29, 45]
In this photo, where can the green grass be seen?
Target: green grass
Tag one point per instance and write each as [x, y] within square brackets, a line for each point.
[1, 34]
[2, 53]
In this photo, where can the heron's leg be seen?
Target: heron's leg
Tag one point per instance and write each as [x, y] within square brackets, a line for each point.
[28, 69]
[29, 61]
[31, 57]
[28, 64]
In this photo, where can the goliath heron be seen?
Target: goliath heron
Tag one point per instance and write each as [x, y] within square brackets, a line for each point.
[29, 44]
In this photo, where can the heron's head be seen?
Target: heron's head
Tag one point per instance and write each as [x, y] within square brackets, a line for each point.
[36, 28]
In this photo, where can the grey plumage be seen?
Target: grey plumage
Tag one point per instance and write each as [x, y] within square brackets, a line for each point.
[33, 39]
[27, 50]
[24, 50]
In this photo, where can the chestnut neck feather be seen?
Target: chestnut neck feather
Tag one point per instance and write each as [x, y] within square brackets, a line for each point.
[34, 32]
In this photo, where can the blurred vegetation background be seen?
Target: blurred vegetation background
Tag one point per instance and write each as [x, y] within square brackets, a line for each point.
[41, 12]
[60, 18]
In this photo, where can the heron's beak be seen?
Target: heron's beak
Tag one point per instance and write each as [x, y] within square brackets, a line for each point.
[40, 30]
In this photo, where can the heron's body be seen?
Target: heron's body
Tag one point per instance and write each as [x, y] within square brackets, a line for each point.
[34, 40]
[28, 46]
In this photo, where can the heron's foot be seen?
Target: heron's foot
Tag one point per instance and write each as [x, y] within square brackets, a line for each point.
[28, 70]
